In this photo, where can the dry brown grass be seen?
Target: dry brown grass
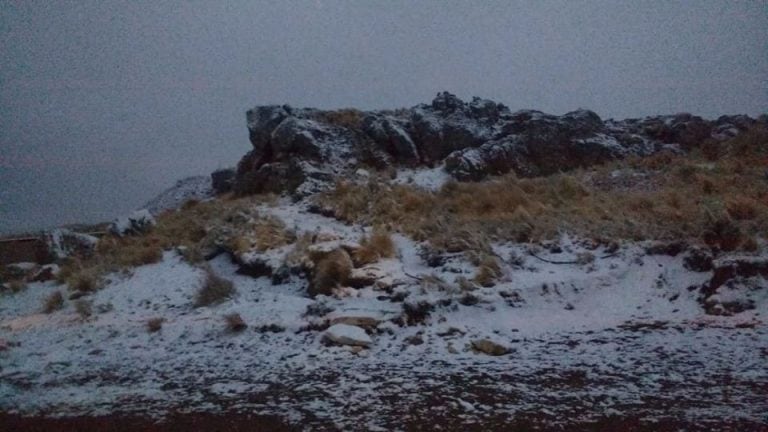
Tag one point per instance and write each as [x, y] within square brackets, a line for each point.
[299, 254]
[235, 322]
[214, 290]
[488, 271]
[155, 324]
[197, 226]
[742, 208]
[84, 281]
[17, 286]
[348, 117]
[687, 197]
[372, 248]
[260, 235]
[331, 271]
[53, 302]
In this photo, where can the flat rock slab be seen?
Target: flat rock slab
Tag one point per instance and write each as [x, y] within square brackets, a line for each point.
[344, 334]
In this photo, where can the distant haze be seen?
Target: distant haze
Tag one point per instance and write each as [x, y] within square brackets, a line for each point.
[103, 104]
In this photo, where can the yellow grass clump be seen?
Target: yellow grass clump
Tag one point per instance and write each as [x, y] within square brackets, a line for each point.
[331, 271]
[372, 248]
[661, 197]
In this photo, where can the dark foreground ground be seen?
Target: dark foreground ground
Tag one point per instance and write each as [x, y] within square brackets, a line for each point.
[191, 422]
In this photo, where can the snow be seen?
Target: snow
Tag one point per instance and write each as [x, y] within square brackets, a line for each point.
[627, 324]
[431, 178]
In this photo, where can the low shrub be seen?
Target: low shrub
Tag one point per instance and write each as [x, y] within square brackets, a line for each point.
[53, 302]
[373, 248]
[235, 322]
[214, 290]
[83, 281]
[155, 324]
[330, 272]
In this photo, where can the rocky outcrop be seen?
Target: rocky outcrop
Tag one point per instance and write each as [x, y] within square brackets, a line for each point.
[303, 150]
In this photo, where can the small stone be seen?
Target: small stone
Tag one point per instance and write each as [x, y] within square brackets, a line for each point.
[489, 347]
[414, 340]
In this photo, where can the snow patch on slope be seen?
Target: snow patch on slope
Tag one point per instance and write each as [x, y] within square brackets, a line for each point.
[197, 188]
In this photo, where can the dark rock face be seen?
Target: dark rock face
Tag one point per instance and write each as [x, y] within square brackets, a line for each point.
[303, 150]
[222, 180]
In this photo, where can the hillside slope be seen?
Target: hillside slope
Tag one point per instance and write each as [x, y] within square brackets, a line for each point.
[625, 295]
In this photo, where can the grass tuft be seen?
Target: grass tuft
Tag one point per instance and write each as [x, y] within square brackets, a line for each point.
[373, 248]
[53, 302]
[235, 322]
[330, 271]
[214, 290]
[155, 324]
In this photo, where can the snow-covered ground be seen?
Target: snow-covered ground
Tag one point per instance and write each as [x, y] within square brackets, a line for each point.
[620, 336]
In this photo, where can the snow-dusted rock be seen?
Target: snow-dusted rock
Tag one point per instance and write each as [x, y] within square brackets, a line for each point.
[390, 134]
[45, 273]
[135, 223]
[344, 334]
[738, 283]
[473, 139]
[63, 243]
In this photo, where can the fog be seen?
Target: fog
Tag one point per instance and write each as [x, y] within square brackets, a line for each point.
[104, 104]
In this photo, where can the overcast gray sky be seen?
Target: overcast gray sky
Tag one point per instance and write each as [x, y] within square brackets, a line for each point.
[103, 104]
